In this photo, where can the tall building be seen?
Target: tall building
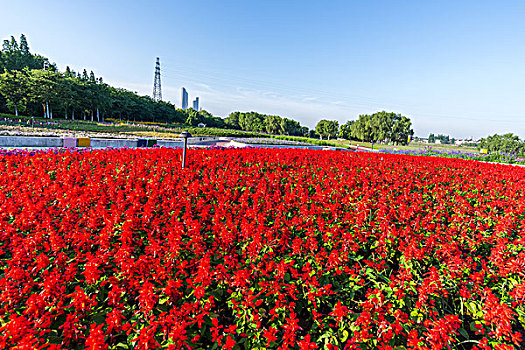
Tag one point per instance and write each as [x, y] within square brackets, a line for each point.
[184, 98]
[196, 104]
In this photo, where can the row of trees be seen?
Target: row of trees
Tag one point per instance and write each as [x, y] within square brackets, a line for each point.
[271, 124]
[378, 127]
[444, 139]
[47, 92]
[30, 85]
[507, 143]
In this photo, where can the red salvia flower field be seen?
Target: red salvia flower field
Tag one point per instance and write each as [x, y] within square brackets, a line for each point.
[290, 249]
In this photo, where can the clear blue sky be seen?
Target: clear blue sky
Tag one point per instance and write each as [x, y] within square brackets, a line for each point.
[453, 67]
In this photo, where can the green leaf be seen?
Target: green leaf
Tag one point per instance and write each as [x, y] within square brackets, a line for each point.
[463, 332]
[472, 307]
[99, 319]
[345, 336]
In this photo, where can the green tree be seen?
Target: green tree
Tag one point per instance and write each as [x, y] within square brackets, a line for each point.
[508, 143]
[10, 46]
[232, 121]
[401, 130]
[381, 124]
[103, 101]
[193, 117]
[273, 124]
[83, 101]
[444, 139]
[332, 128]
[327, 128]
[251, 121]
[69, 73]
[320, 128]
[362, 128]
[24, 46]
[292, 127]
[18, 57]
[304, 131]
[210, 120]
[345, 130]
[14, 87]
[43, 88]
[69, 94]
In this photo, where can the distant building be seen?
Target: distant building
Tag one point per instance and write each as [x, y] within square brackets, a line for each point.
[184, 98]
[196, 104]
[461, 142]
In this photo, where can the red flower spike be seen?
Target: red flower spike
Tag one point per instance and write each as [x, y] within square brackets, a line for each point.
[260, 242]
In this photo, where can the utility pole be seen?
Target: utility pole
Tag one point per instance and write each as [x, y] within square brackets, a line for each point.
[157, 92]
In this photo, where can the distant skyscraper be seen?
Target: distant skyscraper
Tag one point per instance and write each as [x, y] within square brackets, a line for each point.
[184, 98]
[196, 104]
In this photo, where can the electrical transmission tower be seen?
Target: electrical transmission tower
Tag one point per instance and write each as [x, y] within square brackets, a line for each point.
[157, 92]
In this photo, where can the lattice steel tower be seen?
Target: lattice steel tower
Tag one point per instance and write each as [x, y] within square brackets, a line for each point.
[157, 91]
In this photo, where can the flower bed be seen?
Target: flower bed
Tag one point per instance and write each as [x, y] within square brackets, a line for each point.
[498, 157]
[259, 249]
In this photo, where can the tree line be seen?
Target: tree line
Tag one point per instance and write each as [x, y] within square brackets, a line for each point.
[29, 84]
[507, 143]
[271, 124]
[379, 127]
[444, 139]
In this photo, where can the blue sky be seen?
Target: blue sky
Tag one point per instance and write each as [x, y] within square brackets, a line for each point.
[453, 67]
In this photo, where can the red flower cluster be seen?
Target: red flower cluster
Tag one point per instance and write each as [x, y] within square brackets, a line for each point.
[260, 249]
